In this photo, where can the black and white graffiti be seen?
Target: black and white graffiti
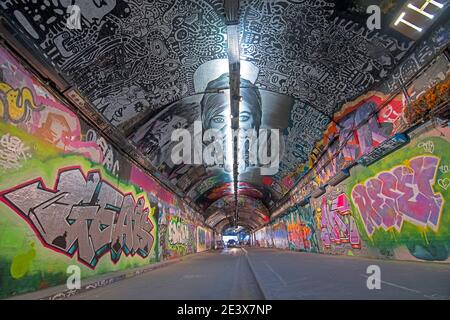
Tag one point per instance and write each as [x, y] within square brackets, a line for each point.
[129, 56]
[306, 51]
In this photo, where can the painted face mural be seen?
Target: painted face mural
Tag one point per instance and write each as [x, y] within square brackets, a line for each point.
[212, 109]
[216, 107]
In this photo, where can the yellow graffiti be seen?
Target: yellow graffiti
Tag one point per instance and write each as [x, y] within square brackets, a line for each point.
[21, 263]
[15, 104]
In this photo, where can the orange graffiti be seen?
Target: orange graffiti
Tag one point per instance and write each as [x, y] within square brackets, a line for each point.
[55, 129]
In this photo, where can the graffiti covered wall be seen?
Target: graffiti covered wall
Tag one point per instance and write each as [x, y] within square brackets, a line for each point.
[280, 235]
[294, 230]
[336, 226]
[67, 197]
[397, 208]
[204, 239]
[301, 229]
[263, 237]
[402, 202]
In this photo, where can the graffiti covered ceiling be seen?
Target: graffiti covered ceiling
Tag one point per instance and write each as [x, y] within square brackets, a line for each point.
[150, 67]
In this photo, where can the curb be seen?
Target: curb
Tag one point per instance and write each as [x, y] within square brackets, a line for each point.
[94, 284]
[257, 278]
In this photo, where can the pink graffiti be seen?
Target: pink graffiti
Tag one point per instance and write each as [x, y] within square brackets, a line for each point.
[148, 184]
[337, 223]
[53, 122]
[404, 193]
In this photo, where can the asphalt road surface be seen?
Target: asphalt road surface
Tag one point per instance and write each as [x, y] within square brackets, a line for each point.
[220, 275]
[276, 274]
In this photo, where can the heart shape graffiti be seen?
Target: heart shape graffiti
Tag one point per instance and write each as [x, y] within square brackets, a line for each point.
[444, 183]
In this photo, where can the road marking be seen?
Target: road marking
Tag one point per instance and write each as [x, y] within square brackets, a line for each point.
[396, 285]
[276, 274]
[192, 276]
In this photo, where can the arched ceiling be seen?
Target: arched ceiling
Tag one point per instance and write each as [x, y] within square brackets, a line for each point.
[150, 67]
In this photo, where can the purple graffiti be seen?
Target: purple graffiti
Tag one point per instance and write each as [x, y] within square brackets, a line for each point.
[404, 193]
[337, 223]
[84, 214]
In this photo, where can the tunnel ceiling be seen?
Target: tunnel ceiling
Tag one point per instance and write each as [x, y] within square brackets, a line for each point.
[150, 67]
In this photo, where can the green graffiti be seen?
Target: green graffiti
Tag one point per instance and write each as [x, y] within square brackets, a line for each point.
[428, 240]
[24, 269]
[180, 237]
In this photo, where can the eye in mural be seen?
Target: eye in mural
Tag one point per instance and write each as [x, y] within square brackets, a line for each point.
[166, 61]
[259, 109]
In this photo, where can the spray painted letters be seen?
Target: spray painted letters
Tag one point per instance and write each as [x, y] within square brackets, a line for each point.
[84, 214]
[404, 193]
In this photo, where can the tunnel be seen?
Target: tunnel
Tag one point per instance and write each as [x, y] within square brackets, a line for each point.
[224, 150]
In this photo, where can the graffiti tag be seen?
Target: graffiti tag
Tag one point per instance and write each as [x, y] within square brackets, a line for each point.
[178, 234]
[404, 193]
[337, 223]
[444, 183]
[12, 152]
[84, 214]
[444, 169]
[427, 146]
